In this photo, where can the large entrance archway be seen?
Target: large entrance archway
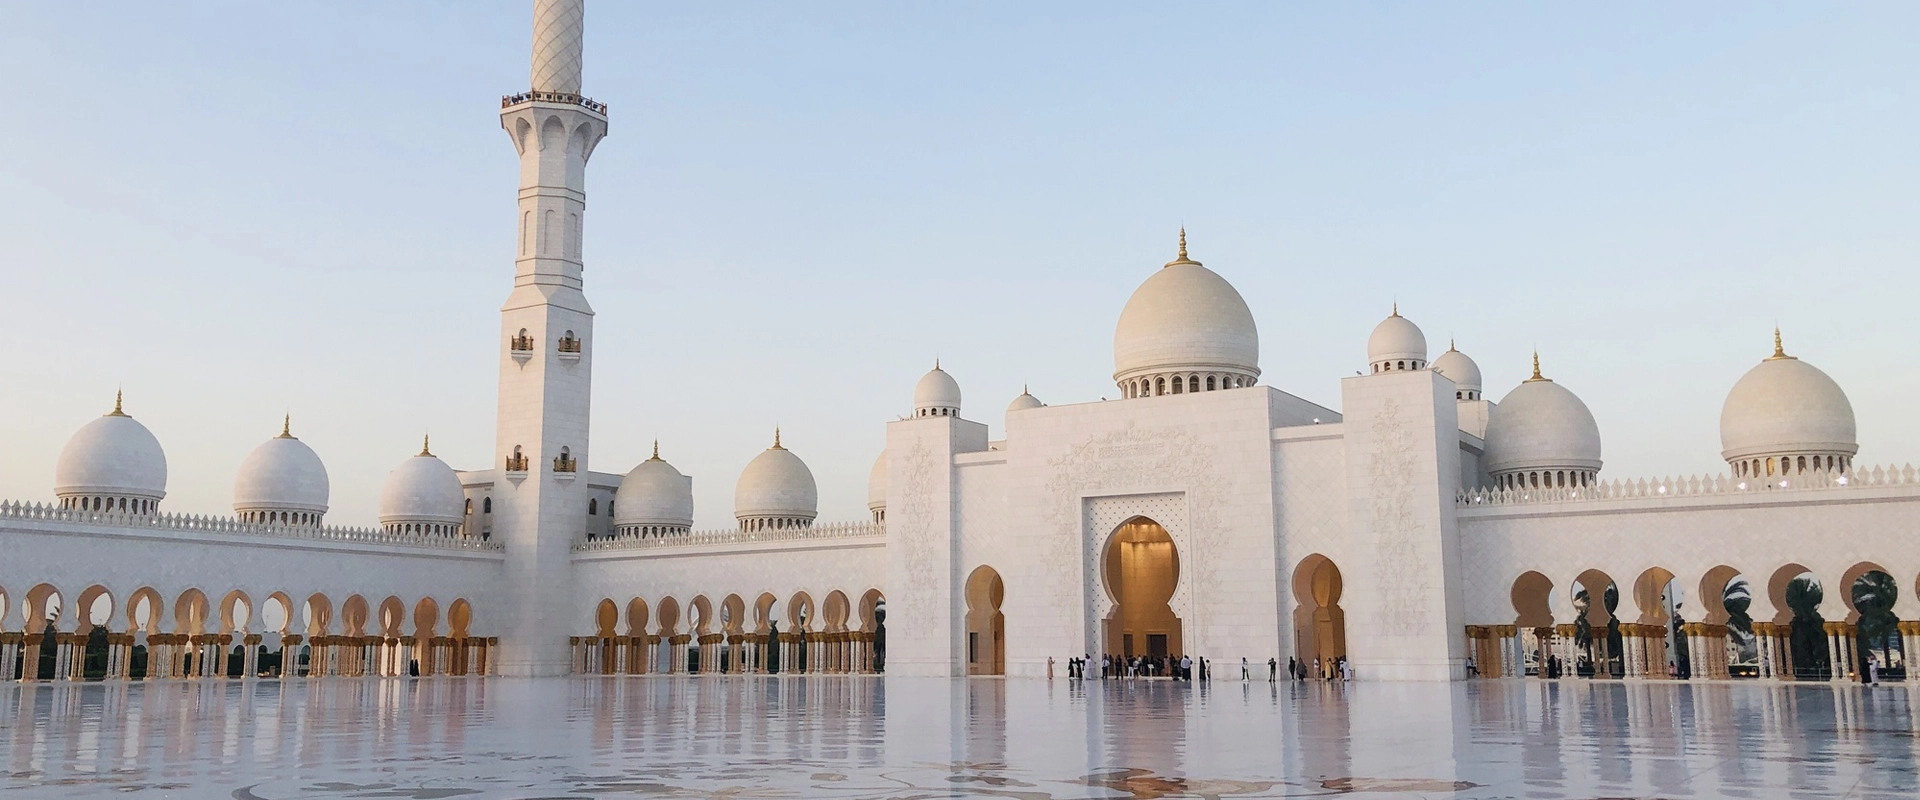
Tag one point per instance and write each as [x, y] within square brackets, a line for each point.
[1142, 568]
[986, 626]
[1319, 624]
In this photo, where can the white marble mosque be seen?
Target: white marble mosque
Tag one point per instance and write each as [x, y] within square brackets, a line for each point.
[1421, 531]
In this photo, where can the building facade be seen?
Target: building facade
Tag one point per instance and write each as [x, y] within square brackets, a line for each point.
[1419, 532]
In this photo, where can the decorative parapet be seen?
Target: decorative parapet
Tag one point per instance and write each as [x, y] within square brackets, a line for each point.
[1694, 486]
[46, 512]
[722, 536]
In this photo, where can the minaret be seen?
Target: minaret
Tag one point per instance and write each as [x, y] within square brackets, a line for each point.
[546, 348]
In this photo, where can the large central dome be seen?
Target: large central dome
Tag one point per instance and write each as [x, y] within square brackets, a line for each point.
[1185, 322]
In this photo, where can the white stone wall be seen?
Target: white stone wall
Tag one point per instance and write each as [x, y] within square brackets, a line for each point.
[1402, 596]
[1201, 465]
[1827, 531]
[786, 570]
[125, 559]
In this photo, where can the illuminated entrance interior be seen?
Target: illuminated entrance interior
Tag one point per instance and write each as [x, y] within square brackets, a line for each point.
[1320, 626]
[1142, 569]
[986, 626]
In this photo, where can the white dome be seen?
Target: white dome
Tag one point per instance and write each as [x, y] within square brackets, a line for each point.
[936, 392]
[1025, 401]
[423, 489]
[1541, 425]
[113, 456]
[654, 493]
[1396, 339]
[1185, 318]
[1460, 369]
[877, 484]
[776, 483]
[282, 474]
[1785, 406]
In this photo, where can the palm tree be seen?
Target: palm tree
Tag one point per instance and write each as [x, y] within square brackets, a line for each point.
[1738, 600]
[1873, 596]
[1808, 635]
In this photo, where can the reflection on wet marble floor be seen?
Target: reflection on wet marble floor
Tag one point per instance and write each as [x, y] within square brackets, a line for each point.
[844, 737]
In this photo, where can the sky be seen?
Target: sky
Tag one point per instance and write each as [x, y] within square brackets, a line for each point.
[240, 210]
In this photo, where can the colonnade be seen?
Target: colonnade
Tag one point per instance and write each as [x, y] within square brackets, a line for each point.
[184, 656]
[811, 652]
[1500, 651]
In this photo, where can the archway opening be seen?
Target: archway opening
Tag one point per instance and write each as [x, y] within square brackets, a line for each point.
[1658, 596]
[986, 626]
[1727, 597]
[1319, 624]
[1532, 597]
[1596, 631]
[1142, 569]
[1871, 595]
[1798, 594]
[873, 622]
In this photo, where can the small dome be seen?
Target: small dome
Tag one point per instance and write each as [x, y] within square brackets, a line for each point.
[936, 395]
[1396, 344]
[423, 490]
[1185, 318]
[112, 457]
[1540, 425]
[877, 484]
[654, 494]
[1025, 401]
[282, 474]
[1786, 407]
[776, 484]
[1461, 370]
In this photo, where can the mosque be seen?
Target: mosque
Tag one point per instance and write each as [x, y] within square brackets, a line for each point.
[1421, 531]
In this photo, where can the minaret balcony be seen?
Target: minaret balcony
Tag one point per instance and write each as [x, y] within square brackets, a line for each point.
[521, 348]
[566, 98]
[568, 350]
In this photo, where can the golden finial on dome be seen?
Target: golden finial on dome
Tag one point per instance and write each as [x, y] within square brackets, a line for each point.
[286, 426]
[1450, 347]
[776, 438]
[426, 440]
[1536, 369]
[116, 412]
[1183, 259]
[656, 450]
[1396, 308]
[1779, 351]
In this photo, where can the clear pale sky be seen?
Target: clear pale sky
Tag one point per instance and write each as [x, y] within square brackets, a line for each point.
[236, 210]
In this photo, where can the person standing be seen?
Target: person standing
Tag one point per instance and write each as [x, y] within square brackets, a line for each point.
[1049, 667]
[1346, 670]
[1317, 671]
[1273, 669]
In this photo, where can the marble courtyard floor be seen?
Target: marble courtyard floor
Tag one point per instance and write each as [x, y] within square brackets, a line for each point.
[853, 737]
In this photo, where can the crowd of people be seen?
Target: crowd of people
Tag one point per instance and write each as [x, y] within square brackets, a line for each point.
[1188, 668]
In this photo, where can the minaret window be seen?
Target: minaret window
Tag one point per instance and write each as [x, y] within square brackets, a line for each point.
[486, 505]
[563, 462]
[523, 343]
[569, 344]
[516, 462]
